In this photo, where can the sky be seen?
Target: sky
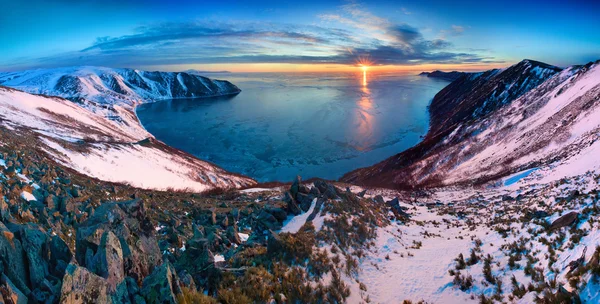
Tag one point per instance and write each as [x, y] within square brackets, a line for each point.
[273, 36]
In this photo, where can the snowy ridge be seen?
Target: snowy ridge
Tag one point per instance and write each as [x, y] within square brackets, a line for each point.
[549, 126]
[107, 143]
[116, 86]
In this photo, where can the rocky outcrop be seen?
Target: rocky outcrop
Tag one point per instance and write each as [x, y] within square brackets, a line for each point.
[81, 286]
[162, 286]
[118, 233]
[565, 220]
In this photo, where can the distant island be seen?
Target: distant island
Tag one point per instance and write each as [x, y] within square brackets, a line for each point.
[443, 75]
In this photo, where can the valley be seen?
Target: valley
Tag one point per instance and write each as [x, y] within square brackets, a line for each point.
[497, 204]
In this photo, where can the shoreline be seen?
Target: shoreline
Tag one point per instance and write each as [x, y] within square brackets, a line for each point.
[412, 139]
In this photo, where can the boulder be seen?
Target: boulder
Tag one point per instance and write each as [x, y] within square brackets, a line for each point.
[397, 209]
[199, 255]
[60, 256]
[13, 259]
[81, 286]
[314, 191]
[278, 213]
[110, 260]
[232, 235]
[295, 188]
[10, 292]
[141, 252]
[162, 286]
[305, 201]
[292, 205]
[267, 220]
[328, 190]
[379, 199]
[362, 193]
[36, 246]
[565, 220]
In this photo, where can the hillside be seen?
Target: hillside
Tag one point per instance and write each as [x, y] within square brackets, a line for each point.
[490, 133]
[96, 131]
[114, 93]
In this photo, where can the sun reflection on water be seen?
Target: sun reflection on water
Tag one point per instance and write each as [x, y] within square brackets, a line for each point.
[363, 134]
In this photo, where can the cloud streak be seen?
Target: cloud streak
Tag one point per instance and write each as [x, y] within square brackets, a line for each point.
[341, 38]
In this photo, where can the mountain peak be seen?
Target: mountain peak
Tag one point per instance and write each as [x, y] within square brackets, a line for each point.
[535, 63]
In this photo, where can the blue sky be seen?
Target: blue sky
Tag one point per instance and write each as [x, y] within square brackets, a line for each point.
[214, 35]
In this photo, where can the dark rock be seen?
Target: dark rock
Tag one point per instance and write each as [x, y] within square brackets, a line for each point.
[303, 189]
[294, 189]
[536, 214]
[235, 214]
[67, 205]
[268, 221]
[110, 260]
[328, 190]
[198, 252]
[379, 199]
[305, 201]
[10, 292]
[565, 220]
[59, 252]
[316, 210]
[362, 193]
[186, 280]
[140, 248]
[274, 243]
[292, 205]
[279, 214]
[81, 286]
[36, 246]
[397, 209]
[314, 191]
[162, 286]
[13, 259]
[232, 235]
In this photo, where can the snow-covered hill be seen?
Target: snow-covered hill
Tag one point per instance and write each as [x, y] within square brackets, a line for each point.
[506, 127]
[96, 131]
[116, 86]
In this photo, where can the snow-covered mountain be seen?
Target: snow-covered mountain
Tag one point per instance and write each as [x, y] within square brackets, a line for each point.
[489, 125]
[116, 86]
[92, 128]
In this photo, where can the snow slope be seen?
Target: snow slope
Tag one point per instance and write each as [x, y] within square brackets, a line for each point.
[106, 149]
[550, 126]
[114, 93]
